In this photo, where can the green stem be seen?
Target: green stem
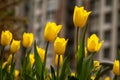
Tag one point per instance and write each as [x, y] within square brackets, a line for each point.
[58, 65]
[2, 53]
[77, 39]
[115, 77]
[2, 60]
[45, 57]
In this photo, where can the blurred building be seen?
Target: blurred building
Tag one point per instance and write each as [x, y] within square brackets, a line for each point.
[104, 21]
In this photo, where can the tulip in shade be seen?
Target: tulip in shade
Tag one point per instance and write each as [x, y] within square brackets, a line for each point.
[60, 45]
[6, 37]
[116, 67]
[41, 53]
[15, 46]
[27, 39]
[80, 16]
[51, 31]
[93, 44]
[96, 65]
[56, 60]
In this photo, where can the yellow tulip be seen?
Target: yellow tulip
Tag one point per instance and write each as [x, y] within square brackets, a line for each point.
[51, 31]
[96, 65]
[107, 78]
[56, 60]
[9, 60]
[6, 38]
[27, 39]
[80, 16]
[32, 59]
[93, 44]
[116, 67]
[41, 53]
[73, 74]
[16, 73]
[60, 45]
[92, 77]
[4, 64]
[15, 46]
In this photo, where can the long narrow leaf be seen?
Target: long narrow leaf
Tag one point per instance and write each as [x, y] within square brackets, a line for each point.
[80, 53]
[38, 64]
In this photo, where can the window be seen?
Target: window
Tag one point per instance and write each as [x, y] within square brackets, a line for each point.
[107, 35]
[39, 19]
[108, 17]
[108, 2]
[50, 15]
[106, 53]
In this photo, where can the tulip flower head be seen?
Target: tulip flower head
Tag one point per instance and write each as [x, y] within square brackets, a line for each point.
[6, 37]
[56, 60]
[16, 73]
[51, 31]
[80, 16]
[41, 53]
[107, 78]
[96, 65]
[32, 59]
[15, 46]
[116, 67]
[9, 60]
[27, 39]
[60, 45]
[93, 44]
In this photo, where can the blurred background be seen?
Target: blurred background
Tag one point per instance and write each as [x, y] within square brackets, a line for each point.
[32, 15]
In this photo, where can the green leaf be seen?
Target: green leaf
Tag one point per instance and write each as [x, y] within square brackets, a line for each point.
[87, 68]
[64, 70]
[28, 77]
[53, 73]
[80, 53]
[38, 64]
[97, 73]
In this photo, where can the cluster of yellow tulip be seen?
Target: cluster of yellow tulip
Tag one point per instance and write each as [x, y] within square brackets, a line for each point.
[34, 64]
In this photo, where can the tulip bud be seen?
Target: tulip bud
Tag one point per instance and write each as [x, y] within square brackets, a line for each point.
[51, 31]
[6, 38]
[15, 46]
[93, 44]
[116, 67]
[27, 39]
[60, 45]
[16, 73]
[80, 16]
[32, 59]
[41, 53]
